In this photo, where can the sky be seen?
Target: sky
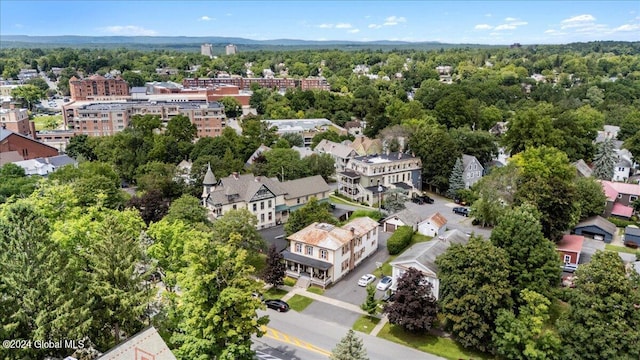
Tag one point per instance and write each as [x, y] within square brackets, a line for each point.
[477, 22]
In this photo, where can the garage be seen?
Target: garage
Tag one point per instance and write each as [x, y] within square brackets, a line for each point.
[405, 217]
[597, 228]
[632, 236]
[390, 227]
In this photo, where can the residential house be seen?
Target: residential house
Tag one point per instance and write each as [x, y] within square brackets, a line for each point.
[268, 199]
[340, 153]
[632, 236]
[623, 167]
[366, 178]
[256, 154]
[366, 146]
[569, 249]
[406, 217]
[596, 227]
[434, 225]
[24, 146]
[145, 345]
[324, 253]
[422, 256]
[620, 197]
[44, 166]
[473, 170]
[354, 127]
[303, 151]
[609, 132]
[183, 172]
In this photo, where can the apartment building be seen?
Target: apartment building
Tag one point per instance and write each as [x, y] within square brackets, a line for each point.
[206, 50]
[97, 87]
[240, 82]
[230, 49]
[314, 83]
[366, 178]
[16, 120]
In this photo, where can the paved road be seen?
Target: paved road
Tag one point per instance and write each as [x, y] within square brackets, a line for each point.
[323, 336]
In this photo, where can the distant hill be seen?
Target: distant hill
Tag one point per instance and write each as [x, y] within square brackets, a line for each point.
[186, 43]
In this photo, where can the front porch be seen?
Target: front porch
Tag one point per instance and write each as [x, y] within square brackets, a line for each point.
[317, 271]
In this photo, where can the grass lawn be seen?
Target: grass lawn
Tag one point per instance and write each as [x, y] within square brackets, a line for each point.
[47, 122]
[315, 290]
[365, 324]
[289, 281]
[444, 347]
[337, 200]
[623, 249]
[418, 238]
[274, 293]
[299, 302]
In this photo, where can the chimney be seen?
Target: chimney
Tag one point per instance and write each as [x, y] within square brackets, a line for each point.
[257, 179]
[235, 175]
[353, 230]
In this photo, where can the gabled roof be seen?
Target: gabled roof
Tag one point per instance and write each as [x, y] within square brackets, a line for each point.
[621, 188]
[599, 222]
[426, 253]
[366, 146]
[304, 186]
[630, 230]
[407, 216]
[303, 151]
[237, 188]
[571, 243]
[619, 209]
[4, 133]
[582, 168]
[323, 235]
[146, 344]
[361, 225]
[259, 151]
[436, 220]
[336, 149]
[468, 159]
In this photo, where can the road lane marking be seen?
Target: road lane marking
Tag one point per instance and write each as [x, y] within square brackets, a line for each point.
[280, 336]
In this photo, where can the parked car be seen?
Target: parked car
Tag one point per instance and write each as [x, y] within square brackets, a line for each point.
[417, 200]
[366, 279]
[464, 211]
[277, 304]
[422, 199]
[384, 283]
[569, 267]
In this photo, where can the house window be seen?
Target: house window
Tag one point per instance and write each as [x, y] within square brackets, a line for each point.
[235, 206]
[298, 247]
[345, 249]
[345, 265]
[255, 207]
[633, 198]
[270, 216]
[567, 259]
[269, 204]
[308, 250]
[324, 254]
[261, 217]
[261, 205]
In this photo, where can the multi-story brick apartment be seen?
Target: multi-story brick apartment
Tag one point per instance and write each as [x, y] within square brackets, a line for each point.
[97, 87]
[17, 146]
[16, 120]
[314, 83]
[366, 178]
[240, 82]
[108, 118]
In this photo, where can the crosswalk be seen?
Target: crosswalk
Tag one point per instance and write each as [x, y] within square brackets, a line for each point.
[264, 356]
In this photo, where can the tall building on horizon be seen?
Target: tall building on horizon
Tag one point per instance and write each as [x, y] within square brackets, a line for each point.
[230, 49]
[206, 50]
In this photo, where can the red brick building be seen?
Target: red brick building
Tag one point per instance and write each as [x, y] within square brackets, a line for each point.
[16, 120]
[26, 147]
[97, 87]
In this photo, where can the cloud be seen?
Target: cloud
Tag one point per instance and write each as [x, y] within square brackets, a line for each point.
[394, 20]
[488, 15]
[325, 26]
[627, 27]
[354, 31]
[205, 18]
[129, 30]
[228, 14]
[505, 27]
[577, 21]
[343, 26]
[374, 26]
[483, 27]
[510, 19]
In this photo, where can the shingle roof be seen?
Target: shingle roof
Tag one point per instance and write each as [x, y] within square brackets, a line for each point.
[323, 235]
[623, 188]
[209, 177]
[407, 216]
[468, 159]
[237, 188]
[305, 186]
[582, 168]
[427, 252]
[619, 209]
[437, 220]
[143, 345]
[630, 230]
[572, 243]
[600, 222]
[334, 148]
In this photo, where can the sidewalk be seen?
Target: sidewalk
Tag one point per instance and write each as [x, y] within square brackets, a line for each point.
[334, 302]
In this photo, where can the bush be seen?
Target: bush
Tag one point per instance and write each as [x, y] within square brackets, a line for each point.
[621, 222]
[400, 239]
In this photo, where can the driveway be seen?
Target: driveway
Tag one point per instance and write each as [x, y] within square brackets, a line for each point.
[589, 247]
[347, 289]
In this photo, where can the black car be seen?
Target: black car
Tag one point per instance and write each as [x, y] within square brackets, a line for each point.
[422, 199]
[417, 200]
[277, 304]
[461, 211]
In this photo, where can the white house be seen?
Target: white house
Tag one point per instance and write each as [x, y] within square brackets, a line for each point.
[324, 253]
[422, 256]
[622, 168]
[45, 166]
[340, 153]
[433, 226]
[404, 217]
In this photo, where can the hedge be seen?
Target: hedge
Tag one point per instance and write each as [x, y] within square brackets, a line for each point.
[621, 222]
[400, 239]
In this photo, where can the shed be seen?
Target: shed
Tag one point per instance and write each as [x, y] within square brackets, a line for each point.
[632, 236]
[569, 249]
[596, 227]
[433, 226]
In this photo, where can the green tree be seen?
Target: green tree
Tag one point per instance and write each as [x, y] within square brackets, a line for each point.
[526, 336]
[350, 347]
[311, 212]
[438, 152]
[14, 182]
[38, 291]
[92, 183]
[474, 286]
[181, 128]
[532, 128]
[284, 164]
[456, 179]
[232, 107]
[534, 263]
[602, 321]
[275, 271]
[394, 200]
[604, 160]
[242, 222]
[294, 139]
[217, 314]
[188, 209]
[590, 197]
[370, 304]
[40, 83]
[80, 145]
[319, 164]
[30, 94]
[480, 144]
[414, 307]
